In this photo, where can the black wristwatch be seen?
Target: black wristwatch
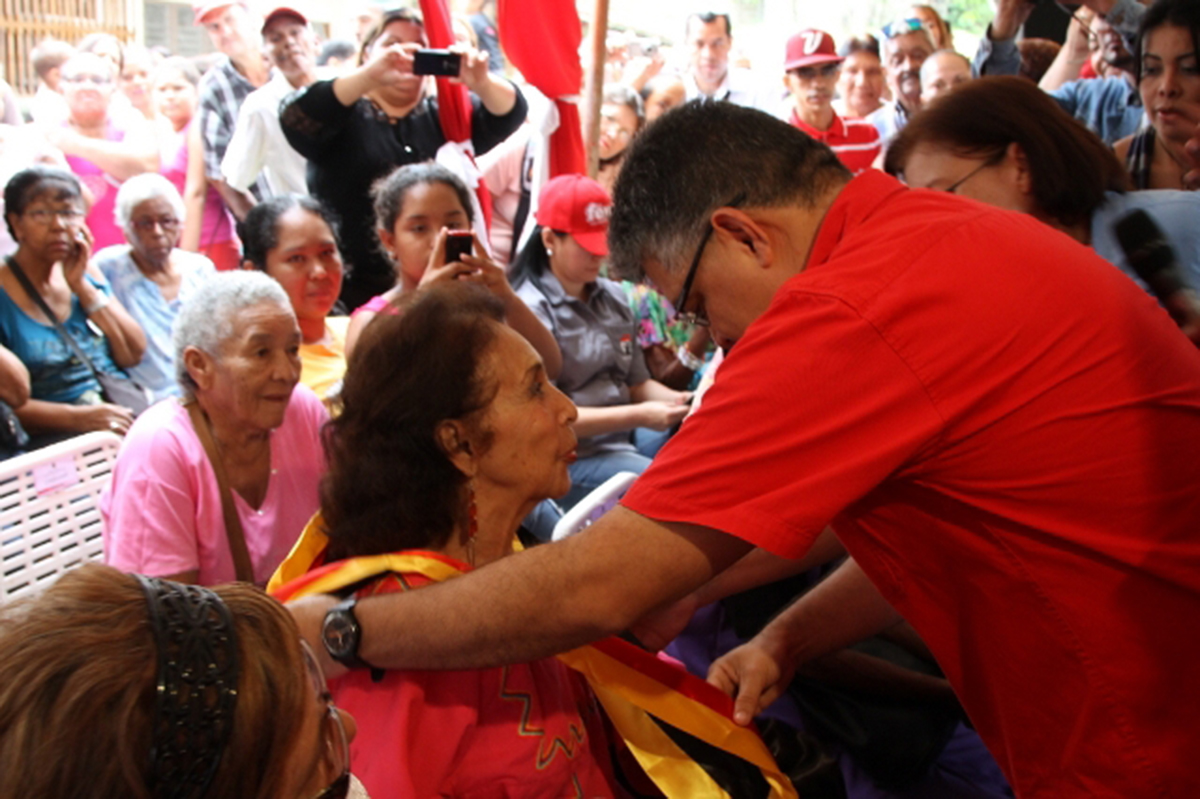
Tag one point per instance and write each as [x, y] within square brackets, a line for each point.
[341, 634]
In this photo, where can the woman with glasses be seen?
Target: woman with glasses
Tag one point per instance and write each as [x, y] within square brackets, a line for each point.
[102, 148]
[44, 213]
[624, 414]
[117, 685]
[150, 275]
[1004, 142]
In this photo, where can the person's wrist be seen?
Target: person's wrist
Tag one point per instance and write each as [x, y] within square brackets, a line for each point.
[99, 303]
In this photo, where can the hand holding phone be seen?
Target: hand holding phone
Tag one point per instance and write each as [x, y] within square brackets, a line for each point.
[442, 63]
[458, 244]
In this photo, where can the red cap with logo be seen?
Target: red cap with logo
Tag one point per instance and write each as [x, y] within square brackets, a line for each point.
[809, 48]
[281, 12]
[577, 205]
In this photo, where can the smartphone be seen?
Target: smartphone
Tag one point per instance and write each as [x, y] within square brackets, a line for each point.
[458, 244]
[437, 62]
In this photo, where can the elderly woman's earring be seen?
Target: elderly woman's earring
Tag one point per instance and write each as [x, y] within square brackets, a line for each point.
[472, 525]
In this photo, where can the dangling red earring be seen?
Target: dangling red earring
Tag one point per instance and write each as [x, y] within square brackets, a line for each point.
[472, 525]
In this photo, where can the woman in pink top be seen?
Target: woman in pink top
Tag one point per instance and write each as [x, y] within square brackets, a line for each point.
[237, 356]
[99, 150]
[208, 226]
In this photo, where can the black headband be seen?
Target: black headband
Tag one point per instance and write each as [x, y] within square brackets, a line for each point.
[196, 690]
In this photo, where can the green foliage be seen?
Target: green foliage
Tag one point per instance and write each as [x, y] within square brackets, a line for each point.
[969, 16]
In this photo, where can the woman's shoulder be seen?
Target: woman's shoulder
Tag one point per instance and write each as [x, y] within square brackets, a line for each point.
[162, 432]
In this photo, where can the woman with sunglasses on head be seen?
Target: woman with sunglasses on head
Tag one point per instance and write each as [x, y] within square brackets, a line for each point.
[151, 275]
[624, 415]
[117, 685]
[44, 211]
[1004, 142]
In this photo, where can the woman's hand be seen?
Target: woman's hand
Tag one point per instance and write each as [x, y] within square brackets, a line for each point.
[104, 416]
[473, 69]
[437, 271]
[74, 266]
[488, 273]
[391, 64]
[660, 415]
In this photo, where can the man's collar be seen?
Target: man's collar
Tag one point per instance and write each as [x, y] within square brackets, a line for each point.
[857, 200]
[836, 129]
[693, 91]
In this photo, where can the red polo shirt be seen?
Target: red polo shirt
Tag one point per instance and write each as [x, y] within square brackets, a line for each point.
[855, 141]
[1004, 431]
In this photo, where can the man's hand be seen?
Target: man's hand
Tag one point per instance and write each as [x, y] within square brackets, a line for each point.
[663, 625]
[754, 674]
[309, 614]
[1184, 307]
[1010, 16]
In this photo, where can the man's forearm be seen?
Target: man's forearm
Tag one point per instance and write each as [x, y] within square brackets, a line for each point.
[547, 600]
[842, 610]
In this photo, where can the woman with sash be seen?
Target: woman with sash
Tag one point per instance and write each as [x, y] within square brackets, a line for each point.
[450, 433]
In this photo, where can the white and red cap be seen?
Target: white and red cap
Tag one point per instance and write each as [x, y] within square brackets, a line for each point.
[280, 12]
[203, 8]
[577, 205]
[809, 48]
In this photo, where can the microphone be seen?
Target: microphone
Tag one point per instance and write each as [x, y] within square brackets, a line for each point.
[1149, 254]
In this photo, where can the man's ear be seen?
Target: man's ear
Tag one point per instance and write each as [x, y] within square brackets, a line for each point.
[452, 437]
[1020, 162]
[201, 366]
[735, 227]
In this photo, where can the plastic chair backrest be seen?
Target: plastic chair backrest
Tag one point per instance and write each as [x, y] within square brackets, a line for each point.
[602, 499]
[50, 511]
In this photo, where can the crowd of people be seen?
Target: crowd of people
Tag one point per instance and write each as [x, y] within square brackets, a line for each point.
[932, 521]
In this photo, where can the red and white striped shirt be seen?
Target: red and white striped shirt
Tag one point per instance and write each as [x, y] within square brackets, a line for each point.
[854, 141]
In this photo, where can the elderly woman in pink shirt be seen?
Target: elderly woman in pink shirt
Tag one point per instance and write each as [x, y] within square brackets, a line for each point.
[237, 356]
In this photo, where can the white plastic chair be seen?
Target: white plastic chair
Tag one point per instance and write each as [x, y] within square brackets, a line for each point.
[50, 511]
[600, 501]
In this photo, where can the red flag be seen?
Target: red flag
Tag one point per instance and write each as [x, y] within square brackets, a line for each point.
[541, 38]
[454, 104]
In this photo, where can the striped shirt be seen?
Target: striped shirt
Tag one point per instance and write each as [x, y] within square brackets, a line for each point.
[854, 141]
[222, 91]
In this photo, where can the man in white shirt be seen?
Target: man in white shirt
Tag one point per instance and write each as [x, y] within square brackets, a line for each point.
[258, 143]
[708, 40]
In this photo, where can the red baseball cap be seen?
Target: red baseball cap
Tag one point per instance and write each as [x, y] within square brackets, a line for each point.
[808, 48]
[203, 8]
[577, 205]
[283, 11]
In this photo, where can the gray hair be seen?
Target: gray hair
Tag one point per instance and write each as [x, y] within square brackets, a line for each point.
[698, 158]
[137, 190]
[207, 319]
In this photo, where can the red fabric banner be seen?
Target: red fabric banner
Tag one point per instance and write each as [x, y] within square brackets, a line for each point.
[541, 38]
[454, 104]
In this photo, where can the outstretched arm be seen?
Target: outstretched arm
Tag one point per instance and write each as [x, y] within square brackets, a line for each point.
[601, 581]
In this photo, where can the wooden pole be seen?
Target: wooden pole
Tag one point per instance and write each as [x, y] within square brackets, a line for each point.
[593, 82]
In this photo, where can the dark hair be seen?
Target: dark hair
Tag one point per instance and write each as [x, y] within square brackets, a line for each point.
[390, 485]
[48, 54]
[1178, 13]
[698, 158]
[389, 192]
[859, 44]
[533, 261]
[178, 64]
[707, 18]
[1036, 57]
[376, 30]
[620, 94]
[31, 183]
[1070, 166]
[259, 231]
[336, 48]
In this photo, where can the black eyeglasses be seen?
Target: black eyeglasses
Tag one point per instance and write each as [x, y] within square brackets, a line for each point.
[694, 317]
[995, 159]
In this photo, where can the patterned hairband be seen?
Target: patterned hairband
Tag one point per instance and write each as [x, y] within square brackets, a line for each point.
[196, 689]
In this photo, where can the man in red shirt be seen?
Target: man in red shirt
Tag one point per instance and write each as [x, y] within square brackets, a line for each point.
[1000, 428]
[811, 69]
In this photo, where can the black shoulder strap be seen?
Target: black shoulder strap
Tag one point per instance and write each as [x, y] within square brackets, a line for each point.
[58, 326]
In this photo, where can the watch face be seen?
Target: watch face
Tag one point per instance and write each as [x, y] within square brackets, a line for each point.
[340, 634]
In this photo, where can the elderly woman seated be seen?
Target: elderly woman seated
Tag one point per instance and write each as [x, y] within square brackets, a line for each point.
[450, 434]
[93, 678]
[44, 212]
[294, 239]
[218, 485]
[150, 275]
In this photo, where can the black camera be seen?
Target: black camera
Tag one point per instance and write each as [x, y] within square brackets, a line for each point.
[442, 63]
